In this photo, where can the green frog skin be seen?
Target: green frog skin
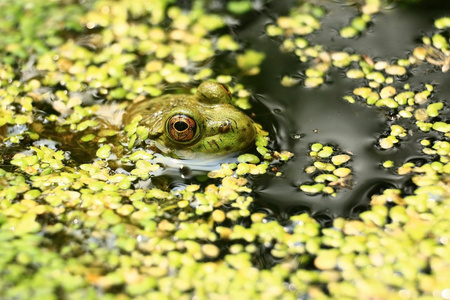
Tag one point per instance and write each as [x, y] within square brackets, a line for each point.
[206, 122]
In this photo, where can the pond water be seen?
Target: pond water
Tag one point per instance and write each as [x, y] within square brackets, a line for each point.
[297, 117]
[86, 224]
[303, 116]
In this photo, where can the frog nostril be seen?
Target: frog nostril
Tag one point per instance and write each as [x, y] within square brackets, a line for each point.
[225, 127]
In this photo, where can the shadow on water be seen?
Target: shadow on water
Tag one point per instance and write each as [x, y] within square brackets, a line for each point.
[304, 116]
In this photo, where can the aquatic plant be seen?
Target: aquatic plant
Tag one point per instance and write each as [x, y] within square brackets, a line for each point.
[73, 226]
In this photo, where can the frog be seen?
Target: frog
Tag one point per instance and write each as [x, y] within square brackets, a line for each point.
[205, 123]
[180, 126]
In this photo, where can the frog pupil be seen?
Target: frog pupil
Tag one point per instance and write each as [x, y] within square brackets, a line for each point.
[181, 126]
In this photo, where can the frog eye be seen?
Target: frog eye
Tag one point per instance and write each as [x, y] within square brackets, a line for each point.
[227, 90]
[181, 128]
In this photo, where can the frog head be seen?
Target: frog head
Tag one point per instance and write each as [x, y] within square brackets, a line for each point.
[209, 123]
[206, 122]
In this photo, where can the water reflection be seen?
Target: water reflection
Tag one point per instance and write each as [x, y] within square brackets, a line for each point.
[305, 116]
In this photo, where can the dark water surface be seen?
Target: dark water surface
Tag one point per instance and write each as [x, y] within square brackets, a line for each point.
[297, 117]
[304, 116]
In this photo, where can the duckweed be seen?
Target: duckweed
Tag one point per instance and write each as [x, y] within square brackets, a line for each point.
[328, 171]
[93, 231]
[104, 151]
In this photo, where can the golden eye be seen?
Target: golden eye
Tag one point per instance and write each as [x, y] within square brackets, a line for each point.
[181, 128]
[227, 90]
